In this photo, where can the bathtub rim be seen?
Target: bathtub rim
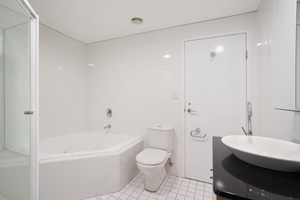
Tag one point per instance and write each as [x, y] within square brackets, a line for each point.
[90, 154]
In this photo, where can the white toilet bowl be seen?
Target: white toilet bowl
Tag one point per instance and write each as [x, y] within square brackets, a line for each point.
[151, 162]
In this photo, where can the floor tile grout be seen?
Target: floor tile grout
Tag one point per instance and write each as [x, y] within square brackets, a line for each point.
[172, 188]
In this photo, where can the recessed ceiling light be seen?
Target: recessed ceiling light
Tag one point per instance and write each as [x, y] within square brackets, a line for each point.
[91, 64]
[137, 20]
[167, 56]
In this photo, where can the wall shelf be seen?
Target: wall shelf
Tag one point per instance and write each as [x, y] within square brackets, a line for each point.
[291, 110]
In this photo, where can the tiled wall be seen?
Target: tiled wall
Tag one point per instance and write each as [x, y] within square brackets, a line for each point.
[1, 93]
[62, 84]
[131, 76]
[276, 64]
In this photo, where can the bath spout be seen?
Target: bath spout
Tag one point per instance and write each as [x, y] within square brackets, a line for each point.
[108, 126]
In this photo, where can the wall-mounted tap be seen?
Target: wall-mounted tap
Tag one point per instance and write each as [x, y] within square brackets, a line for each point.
[108, 126]
[109, 112]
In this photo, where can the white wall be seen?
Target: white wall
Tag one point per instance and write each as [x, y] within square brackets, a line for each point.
[131, 76]
[1, 92]
[276, 64]
[298, 13]
[298, 56]
[62, 84]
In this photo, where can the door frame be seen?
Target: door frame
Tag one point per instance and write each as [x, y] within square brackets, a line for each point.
[34, 98]
[248, 78]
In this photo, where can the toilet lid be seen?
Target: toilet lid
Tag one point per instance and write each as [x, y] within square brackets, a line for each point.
[151, 156]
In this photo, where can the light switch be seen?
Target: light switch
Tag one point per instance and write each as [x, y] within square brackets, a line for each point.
[175, 95]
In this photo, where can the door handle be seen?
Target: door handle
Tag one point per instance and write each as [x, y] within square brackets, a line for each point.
[191, 111]
[28, 112]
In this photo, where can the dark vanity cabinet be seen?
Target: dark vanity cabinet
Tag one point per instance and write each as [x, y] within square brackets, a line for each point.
[237, 180]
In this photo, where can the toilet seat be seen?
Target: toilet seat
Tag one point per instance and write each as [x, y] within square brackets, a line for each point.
[152, 157]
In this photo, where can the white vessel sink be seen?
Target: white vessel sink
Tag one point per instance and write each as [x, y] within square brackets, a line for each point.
[265, 152]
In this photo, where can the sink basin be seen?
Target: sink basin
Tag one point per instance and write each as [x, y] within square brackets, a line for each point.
[265, 152]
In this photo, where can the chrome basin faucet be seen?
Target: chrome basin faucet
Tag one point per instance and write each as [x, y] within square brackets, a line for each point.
[250, 114]
[108, 126]
[249, 133]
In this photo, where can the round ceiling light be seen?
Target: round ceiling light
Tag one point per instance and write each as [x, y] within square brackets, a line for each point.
[137, 20]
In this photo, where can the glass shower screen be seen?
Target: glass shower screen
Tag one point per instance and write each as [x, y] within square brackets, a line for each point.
[18, 101]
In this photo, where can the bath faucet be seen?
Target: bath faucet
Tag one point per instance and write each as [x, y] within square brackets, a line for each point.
[108, 126]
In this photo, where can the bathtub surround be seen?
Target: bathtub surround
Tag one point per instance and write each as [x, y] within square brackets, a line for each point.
[82, 144]
[94, 164]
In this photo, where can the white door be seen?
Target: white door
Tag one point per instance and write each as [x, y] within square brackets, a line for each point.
[216, 98]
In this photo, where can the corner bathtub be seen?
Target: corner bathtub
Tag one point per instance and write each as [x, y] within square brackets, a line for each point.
[86, 164]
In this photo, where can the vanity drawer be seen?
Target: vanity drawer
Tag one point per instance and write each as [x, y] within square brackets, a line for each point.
[221, 198]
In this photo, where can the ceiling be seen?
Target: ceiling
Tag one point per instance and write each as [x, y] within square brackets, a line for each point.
[96, 20]
[11, 14]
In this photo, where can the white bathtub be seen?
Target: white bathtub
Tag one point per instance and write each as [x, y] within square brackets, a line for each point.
[86, 164]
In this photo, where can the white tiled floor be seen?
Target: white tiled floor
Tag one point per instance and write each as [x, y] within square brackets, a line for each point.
[172, 188]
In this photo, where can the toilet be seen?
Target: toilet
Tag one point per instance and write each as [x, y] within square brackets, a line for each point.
[151, 161]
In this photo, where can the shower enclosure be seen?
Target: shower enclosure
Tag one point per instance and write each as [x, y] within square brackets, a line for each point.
[18, 100]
